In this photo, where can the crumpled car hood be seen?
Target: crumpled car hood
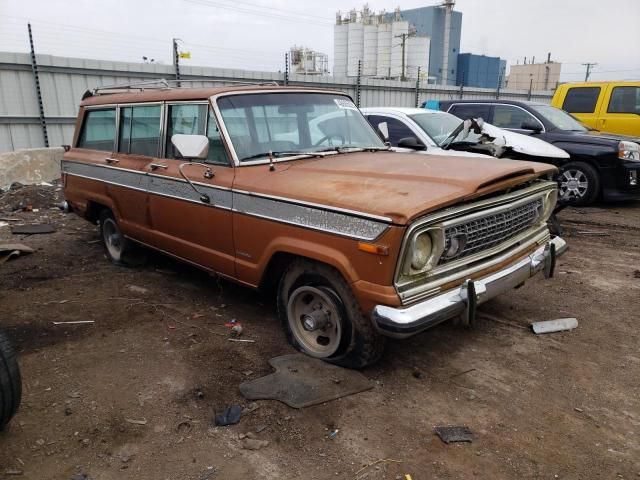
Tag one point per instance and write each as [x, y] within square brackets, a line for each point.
[398, 186]
[523, 143]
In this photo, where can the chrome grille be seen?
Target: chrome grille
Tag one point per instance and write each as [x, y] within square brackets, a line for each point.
[487, 232]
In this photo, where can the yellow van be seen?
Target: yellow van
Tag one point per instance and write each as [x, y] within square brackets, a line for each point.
[606, 106]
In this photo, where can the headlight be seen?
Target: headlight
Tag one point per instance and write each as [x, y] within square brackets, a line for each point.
[629, 151]
[549, 203]
[421, 251]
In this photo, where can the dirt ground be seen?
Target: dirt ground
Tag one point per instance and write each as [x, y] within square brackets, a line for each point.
[564, 405]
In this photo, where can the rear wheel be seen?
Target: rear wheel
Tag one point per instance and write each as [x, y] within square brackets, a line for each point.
[579, 183]
[322, 318]
[119, 249]
[10, 382]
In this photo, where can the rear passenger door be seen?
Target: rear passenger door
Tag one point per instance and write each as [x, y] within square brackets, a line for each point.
[107, 177]
[182, 222]
[621, 110]
[584, 103]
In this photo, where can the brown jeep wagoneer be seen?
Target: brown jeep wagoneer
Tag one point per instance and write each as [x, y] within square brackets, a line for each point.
[291, 188]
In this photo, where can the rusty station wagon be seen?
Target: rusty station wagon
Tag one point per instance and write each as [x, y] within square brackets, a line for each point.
[291, 189]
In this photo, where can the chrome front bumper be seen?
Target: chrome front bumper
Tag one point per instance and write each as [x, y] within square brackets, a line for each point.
[404, 322]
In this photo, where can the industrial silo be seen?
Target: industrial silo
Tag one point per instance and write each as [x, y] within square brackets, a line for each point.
[355, 47]
[398, 29]
[417, 56]
[340, 45]
[383, 66]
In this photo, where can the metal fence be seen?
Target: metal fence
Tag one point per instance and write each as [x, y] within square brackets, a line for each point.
[27, 112]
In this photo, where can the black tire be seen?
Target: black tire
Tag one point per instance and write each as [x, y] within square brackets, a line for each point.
[118, 249]
[10, 382]
[584, 172]
[359, 344]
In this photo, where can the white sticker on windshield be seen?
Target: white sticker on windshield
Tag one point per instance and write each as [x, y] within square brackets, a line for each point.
[345, 103]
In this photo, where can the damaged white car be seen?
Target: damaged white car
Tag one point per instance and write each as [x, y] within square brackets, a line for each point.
[440, 133]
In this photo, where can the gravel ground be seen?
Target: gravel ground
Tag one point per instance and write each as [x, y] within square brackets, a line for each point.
[132, 396]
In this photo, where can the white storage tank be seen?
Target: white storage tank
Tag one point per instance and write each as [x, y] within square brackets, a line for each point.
[384, 50]
[340, 46]
[370, 50]
[418, 56]
[355, 50]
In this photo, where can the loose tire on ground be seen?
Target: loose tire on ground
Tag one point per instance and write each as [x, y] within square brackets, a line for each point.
[119, 249]
[357, 344]
[579, 183]
[10, 382]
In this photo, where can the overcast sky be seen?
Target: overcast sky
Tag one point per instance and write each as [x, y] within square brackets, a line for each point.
[254, 34]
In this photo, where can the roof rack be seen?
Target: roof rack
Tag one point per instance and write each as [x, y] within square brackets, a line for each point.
[161, 84]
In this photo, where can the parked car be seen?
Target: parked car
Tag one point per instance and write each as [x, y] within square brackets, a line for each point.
[606, 106]
[357, 242]
[10, 381]
[440, 133]
[603, 165]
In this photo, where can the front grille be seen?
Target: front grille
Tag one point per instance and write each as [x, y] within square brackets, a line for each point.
[486, 232]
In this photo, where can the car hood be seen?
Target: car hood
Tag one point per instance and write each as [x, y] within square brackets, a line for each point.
[398, 186]
[523, 143]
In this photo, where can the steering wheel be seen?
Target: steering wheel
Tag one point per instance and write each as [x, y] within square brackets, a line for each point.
[329, 137]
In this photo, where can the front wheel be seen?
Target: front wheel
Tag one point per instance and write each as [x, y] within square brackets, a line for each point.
[579, 183]
[322, 318]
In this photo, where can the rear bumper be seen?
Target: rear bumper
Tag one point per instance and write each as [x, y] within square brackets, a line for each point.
[462, 301]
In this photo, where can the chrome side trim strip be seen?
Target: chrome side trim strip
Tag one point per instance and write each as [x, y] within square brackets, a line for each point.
[328, 219]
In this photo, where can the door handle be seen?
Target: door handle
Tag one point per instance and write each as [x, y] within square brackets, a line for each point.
[111, 160]
[155, 166]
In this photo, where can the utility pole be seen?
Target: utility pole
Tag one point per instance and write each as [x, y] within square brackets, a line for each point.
[36, 78]
[358, 84]
[588, 65]
[530, 86]
[286, 68]
[176, 60]
[417, 88]
[404, 37]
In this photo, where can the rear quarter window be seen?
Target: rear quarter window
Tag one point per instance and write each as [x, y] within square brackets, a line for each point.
[624, 100]
[98, 130]
[581, 100]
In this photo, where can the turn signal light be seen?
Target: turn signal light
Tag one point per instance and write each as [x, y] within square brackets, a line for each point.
[373, 248]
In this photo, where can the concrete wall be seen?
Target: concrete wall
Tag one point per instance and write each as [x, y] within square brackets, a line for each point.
[64, 80]
[30, 166]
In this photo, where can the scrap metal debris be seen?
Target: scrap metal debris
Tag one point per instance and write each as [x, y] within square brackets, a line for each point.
[32, 229]
[229, 416]
[10, 250]
[136, 422]
[75, 322]
[454, 434]
[551, 326]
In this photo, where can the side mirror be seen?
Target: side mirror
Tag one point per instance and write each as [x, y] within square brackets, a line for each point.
[411, 142]
[531, 125]
[191, 146]
[383, 128]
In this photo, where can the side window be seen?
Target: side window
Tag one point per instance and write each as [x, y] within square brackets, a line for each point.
[140, 130]
[397, 129]
[98, 130]
[217, 152]
[581, 100]
[184, 119]
[624, 100]
[508, 116]
[465, 111]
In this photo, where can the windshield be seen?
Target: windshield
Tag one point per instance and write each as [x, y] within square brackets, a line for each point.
[288, 124]
[559, 118]
[438, 125]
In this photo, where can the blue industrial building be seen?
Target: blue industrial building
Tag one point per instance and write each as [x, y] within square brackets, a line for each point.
[480, 71]
[430, 21]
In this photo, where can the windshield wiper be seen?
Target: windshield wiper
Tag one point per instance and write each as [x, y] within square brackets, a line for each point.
[274, 154]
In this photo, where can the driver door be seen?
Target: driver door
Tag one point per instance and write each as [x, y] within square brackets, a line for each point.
[183, 224]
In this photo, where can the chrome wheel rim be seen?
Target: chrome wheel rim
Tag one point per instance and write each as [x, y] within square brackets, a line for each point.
[573, 184]
[113, 238]
[313, 314]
